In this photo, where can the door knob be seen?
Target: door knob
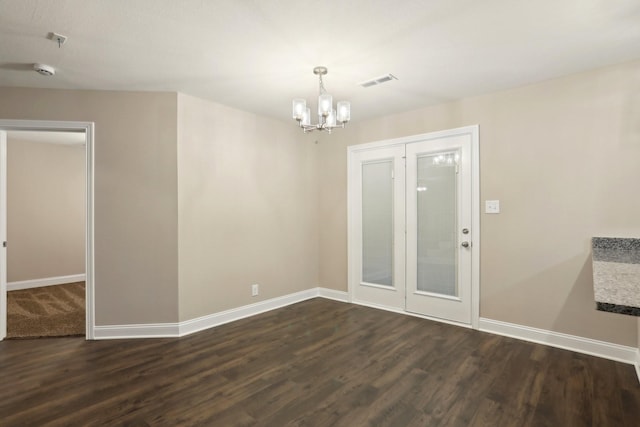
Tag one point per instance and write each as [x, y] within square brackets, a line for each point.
[465, 244]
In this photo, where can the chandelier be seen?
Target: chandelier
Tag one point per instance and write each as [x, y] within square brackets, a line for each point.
[328, 118]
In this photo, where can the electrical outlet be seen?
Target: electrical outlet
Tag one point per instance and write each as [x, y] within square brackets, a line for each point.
[255, 290]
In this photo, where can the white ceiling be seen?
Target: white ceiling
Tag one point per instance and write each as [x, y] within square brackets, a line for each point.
[257, 55]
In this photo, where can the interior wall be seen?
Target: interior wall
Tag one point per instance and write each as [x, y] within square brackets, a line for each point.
[136, 238]
[247, 197]
[45, 210]
[562, 158]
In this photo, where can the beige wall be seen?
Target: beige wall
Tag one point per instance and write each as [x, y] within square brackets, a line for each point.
[562, 158]
[227, 241]
[136, 236]
[45, 210]
[247, 197]
[195, 201]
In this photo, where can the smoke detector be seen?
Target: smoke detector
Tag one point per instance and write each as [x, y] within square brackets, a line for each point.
[44, 69]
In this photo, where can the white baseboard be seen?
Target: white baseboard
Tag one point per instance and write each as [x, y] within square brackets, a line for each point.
[157, 330]
[638, 362]
[164, 330]
[578, 344]
[47, 281]
[333, 294]
[205, 322]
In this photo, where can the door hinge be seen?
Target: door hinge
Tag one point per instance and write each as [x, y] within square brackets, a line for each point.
[4, 244]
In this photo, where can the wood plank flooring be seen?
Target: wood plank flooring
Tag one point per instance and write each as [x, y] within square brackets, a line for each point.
[316, 363]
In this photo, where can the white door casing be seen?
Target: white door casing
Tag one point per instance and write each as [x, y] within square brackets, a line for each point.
[42, 125]
[3, 234]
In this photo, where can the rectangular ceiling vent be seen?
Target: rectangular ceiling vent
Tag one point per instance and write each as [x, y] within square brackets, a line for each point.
[378, 80]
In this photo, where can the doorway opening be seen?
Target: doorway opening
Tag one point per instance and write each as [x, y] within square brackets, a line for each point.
[68, 276]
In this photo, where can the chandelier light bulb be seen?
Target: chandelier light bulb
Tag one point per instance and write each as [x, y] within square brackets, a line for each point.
[325, 104]
[306, 117]
[344, 111]
[299, 107]
[331, 118]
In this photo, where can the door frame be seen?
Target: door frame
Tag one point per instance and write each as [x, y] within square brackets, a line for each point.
[474, 132]
[68, 126]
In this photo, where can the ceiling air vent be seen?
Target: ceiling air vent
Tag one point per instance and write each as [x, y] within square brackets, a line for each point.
[378, 80]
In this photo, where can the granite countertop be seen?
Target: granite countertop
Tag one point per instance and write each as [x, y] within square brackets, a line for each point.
[616, 274]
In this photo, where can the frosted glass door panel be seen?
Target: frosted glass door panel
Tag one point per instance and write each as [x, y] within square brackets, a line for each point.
[436, 220]
[377, 222]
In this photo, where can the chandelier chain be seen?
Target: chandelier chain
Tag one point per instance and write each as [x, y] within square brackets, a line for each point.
[322, 89]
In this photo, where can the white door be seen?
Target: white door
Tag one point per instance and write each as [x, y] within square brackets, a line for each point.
[439, 220]
[377, 266]
[3, 234]
[414, 226]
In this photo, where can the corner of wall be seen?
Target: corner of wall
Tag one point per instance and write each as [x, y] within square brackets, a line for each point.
[247, 208]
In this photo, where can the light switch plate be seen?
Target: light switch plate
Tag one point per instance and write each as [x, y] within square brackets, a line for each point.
[492, 206]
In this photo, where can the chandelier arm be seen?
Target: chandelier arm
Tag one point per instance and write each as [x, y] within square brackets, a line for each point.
[318, 127]
[325, 127]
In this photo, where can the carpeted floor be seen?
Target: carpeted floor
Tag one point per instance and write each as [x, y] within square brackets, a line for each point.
[50, 311]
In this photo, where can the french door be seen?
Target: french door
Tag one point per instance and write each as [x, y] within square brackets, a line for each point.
[438, 211]
[381, 259]
[411, 224]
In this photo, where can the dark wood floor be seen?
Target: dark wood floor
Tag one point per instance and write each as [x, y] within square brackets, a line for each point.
[316, 363]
